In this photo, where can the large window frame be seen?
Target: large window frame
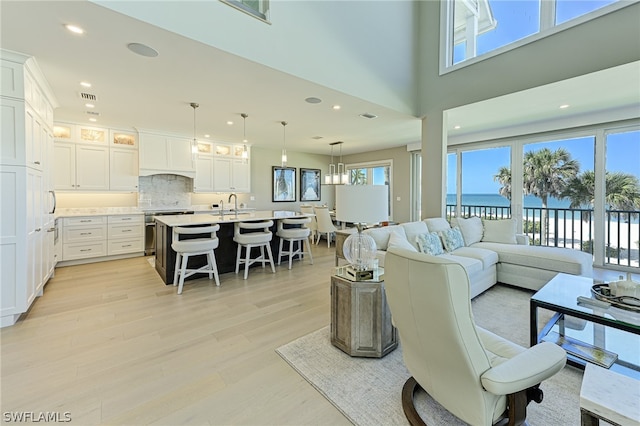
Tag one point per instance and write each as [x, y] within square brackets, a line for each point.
[517, 144]
[547, 27]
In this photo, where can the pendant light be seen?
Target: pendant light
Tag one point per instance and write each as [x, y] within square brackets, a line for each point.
[245, 152]
[337, 173]
[194, 147]
[284, 143]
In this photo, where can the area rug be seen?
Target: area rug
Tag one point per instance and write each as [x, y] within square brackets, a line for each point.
[367, 391]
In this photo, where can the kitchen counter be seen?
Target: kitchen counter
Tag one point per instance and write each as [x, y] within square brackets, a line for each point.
[227, 248]
[97, 211]
[203, 218]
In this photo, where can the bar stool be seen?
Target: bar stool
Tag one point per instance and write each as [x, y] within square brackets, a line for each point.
[250, 240]
[194, 247]
[292, 235]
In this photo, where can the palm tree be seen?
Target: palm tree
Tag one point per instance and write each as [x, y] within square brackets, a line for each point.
[622, 191]
[546, 174]
[358, 177]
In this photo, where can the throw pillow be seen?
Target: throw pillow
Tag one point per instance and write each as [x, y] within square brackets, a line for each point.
[437, 224]
[399, 241]
[452, 239]
[499, 231]
[430, 243]
[471, 229]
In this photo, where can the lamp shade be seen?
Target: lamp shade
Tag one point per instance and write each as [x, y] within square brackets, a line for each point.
[362, 203]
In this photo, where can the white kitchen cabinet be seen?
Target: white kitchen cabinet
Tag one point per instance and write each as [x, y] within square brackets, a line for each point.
[203, 181]
[84, 237]
[231, 175]
[166, 154]
[81, 167]
[27, 108]
[125, 234]
[123, 169]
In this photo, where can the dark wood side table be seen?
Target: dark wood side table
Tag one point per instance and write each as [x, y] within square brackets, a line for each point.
[360, 318]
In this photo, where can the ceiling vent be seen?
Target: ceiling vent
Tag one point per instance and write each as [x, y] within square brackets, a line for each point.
[368, 115]
[88, 96]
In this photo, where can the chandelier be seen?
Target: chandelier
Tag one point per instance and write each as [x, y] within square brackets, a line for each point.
[337, 172]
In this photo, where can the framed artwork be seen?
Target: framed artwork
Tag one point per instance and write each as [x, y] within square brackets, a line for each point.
[309, 184]
[284, 184]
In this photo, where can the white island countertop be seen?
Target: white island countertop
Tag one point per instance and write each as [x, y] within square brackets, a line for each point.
[204, 219]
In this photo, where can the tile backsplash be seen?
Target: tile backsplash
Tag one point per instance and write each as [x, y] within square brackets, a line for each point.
[164, 191]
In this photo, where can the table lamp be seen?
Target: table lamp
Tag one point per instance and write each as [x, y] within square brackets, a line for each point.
[361, 204]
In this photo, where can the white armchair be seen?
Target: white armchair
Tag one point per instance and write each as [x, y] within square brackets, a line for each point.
[478, 376]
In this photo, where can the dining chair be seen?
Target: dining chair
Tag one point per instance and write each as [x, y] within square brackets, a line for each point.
[325, 224]
[313, 225]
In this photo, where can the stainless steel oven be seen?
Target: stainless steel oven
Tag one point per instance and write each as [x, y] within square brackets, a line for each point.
[150, 228]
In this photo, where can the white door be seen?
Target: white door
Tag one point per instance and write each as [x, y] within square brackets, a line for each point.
[204, 174]
[222, 174]
[92, 167]
[123, 166]
[64, 160]
[241, 179]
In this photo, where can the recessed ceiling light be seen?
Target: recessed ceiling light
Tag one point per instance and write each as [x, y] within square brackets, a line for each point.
[85, 84]
[93, 120]
[142, 50]
[336, 107]
[74, 29]
[230, 123]
[90, 105]
[313, 100]
[456, 127]
[564, 106]
[207, 136]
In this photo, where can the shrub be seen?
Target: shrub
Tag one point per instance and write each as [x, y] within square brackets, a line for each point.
[531, 227]
[587, 246]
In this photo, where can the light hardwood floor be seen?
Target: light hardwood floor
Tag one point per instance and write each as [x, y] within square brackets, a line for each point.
[111, 344]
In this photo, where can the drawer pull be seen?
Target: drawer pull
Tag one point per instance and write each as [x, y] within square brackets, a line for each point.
[126, 245]
[86, 249]
[85, 220]
[36, 162]
[126, 218]
[85, 233]
[127, 230]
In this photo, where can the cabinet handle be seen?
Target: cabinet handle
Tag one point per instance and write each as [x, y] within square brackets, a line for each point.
[126, 218]
[38, 229]
[36, 162]
[85, 249]
[85, 233]
[126, 245]
[51, 229]
[85, 220]
[127, 230]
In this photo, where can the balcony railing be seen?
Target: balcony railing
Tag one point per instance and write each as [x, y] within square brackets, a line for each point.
[571, 228]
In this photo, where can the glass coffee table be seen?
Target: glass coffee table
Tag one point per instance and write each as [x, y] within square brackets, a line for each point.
[589, 331]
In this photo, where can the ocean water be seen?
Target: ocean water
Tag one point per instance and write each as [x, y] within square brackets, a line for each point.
[530, 201]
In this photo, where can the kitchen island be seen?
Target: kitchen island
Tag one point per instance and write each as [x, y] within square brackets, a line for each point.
[225, 253]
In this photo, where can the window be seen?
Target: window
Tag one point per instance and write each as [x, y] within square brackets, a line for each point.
[482, 28]
[256, 8]
[374, 173]
[577, 189]
[622, 198]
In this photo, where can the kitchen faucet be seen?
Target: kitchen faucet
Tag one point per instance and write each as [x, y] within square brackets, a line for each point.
[235, 204]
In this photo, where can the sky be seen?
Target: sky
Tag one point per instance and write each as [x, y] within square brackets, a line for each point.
[516, 20]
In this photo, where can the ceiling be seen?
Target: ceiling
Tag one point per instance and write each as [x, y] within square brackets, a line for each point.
[155, 93]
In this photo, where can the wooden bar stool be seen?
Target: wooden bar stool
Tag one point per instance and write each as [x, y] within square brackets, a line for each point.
[298, 234]
[194, 247]
[250, 240]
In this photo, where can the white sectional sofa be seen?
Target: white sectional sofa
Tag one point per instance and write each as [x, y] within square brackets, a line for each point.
[489, 250]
